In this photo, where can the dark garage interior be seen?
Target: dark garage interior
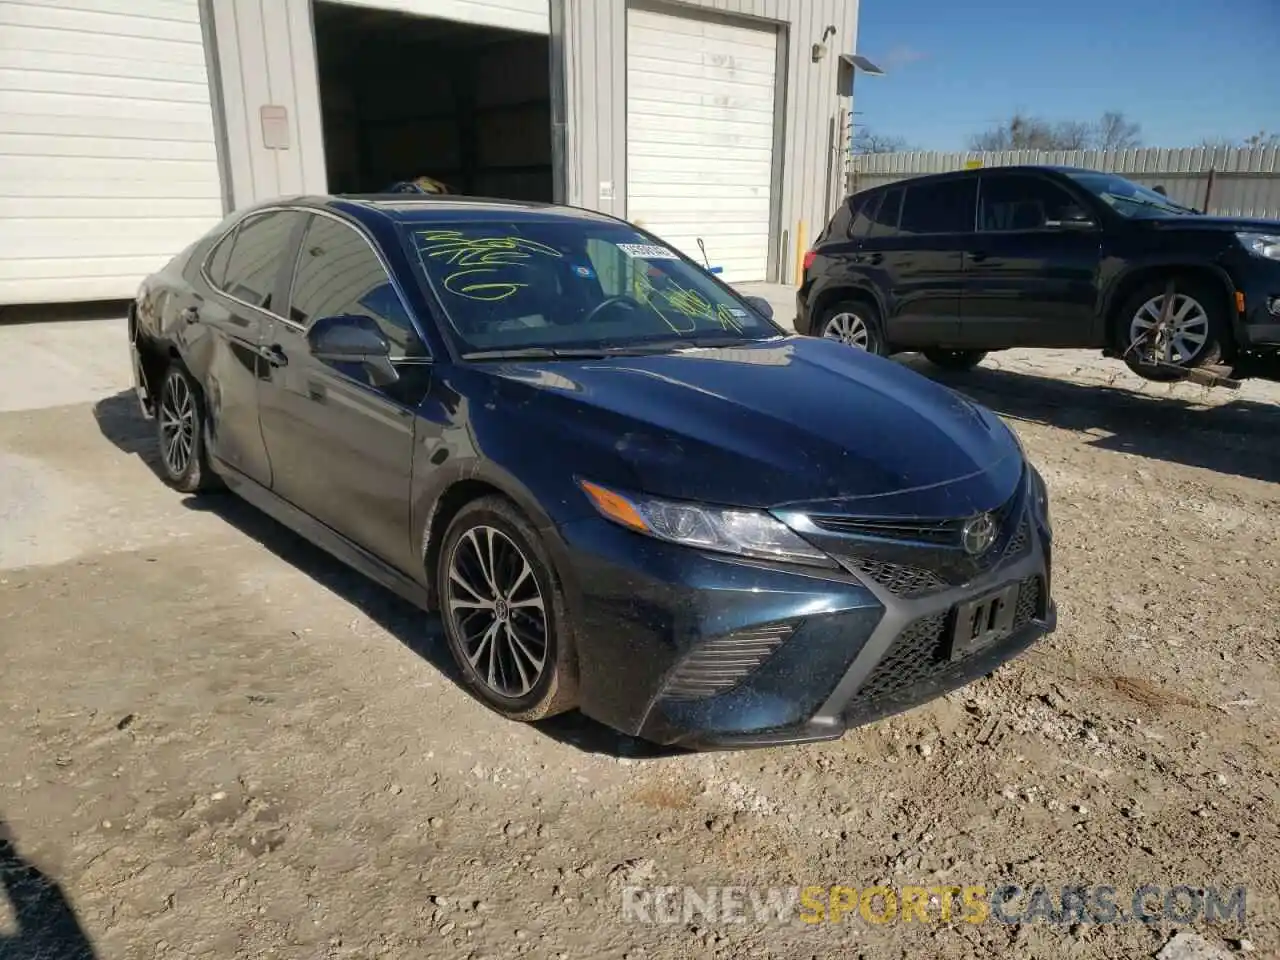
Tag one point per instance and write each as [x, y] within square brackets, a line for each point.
[404, 96]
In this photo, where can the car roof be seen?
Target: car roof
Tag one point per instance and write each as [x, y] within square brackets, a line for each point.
[425, 208]
[978, 171]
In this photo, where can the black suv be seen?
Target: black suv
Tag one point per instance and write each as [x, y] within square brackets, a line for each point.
[958, 264]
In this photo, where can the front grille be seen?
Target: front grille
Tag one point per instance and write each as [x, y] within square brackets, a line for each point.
[923, 648]
[944, 533]
[900, 579]
[721, 664]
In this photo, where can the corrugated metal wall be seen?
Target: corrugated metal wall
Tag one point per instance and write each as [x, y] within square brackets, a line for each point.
[1246, 182]
[595, 44]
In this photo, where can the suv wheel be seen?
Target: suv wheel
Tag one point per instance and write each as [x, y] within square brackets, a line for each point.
[954, 359]
[1188, 334]
[504, 613]
[855, 324]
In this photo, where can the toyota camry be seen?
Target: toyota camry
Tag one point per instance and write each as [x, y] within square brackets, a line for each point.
[621, 485]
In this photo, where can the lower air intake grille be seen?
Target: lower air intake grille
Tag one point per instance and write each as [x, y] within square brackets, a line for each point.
[923, 647]
[721, 664]
[900, 579]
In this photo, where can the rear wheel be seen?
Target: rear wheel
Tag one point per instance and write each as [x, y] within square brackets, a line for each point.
[180, 433]
[854, 323]
[954, 359]
[504, 614]
[1182, 323]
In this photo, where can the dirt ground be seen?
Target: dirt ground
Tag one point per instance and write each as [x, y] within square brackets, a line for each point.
[217, 742]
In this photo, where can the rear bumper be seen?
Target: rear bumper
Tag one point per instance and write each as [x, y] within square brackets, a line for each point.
[855, 652]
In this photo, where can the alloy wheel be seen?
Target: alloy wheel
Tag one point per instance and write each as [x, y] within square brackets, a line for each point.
[177, 425]
[849, 329]
[497, 611]
[1185, 334]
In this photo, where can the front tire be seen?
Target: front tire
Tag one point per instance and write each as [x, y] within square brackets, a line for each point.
[1195, 332]
[504, 613]
[954, 359]
[180, 433]
[854, 323]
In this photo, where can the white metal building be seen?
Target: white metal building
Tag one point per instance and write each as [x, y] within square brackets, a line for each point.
[129, 127]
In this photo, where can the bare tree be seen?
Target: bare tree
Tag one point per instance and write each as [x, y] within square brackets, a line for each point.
[1113, 131]
[1260, 139]
[867, 140]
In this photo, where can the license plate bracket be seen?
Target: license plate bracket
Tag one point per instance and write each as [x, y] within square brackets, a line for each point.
[984, 620]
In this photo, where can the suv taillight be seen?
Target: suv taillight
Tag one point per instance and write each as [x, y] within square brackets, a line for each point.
[808, 259]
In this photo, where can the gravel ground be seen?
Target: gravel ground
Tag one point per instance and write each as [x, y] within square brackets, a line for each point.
[217, 742]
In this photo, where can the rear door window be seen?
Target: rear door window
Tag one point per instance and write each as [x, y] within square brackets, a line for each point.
[216, 265]
[253, 266]
[944, 207]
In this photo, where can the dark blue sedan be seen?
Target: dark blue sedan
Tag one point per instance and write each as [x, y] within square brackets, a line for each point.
[621, 485]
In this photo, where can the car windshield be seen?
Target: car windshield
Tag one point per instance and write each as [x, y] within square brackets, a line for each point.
[1128, 198]
[566, 286]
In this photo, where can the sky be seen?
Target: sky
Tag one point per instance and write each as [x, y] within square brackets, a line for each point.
[1184, 69]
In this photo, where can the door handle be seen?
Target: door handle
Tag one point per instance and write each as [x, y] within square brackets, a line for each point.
[274, 355]
[189, 315]
[978, 256]
[875, 258]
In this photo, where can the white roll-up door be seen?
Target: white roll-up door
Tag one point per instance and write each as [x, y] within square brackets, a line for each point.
[107, 159]
[527, 16]
[700, 135]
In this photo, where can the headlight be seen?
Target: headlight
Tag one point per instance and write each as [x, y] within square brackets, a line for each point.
[1261, 244]
[746, 533]
[1040, 494]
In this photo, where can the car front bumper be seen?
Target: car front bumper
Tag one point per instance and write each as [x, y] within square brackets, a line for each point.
[1258, 279]
[655, 621]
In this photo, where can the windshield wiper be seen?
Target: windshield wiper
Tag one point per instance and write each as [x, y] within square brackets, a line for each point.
[537, 353]
[1144, 202]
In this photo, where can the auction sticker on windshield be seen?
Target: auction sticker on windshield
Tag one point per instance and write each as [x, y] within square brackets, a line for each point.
[648, 251]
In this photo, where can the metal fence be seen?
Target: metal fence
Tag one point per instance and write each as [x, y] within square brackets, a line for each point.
[1242, 182]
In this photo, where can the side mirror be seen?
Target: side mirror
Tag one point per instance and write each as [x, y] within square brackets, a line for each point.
[761, 306]
[351, 338]
[1072, 218]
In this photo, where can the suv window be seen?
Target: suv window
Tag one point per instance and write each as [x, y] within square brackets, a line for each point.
[884, 220]
[838, 227]
[862, 208]
[945, 207]
[257, 251]
[338, 274]
[1020, 202]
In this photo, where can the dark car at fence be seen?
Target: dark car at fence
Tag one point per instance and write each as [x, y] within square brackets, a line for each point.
[598, 463]
[959, 264]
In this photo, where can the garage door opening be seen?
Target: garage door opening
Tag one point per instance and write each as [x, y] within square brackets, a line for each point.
[404, 96]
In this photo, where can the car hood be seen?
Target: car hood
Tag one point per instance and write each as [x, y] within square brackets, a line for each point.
[786, 421]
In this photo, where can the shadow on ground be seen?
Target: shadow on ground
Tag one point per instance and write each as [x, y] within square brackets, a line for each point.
[47, 928]
[1232, 438]
[120, 422]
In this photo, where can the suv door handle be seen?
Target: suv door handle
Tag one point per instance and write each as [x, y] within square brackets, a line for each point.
[274, 355]
[977, 256]
[189, 315]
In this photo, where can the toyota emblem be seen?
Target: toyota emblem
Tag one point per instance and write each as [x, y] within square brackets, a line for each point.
[978, 534]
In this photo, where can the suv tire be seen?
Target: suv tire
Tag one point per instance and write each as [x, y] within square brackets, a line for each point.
[855, 323]
[954, 359]
[1198, 320]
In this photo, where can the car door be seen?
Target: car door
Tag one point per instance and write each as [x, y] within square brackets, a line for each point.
[244, 272]
[921, 254]
[1031, 277]
[341, 444]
